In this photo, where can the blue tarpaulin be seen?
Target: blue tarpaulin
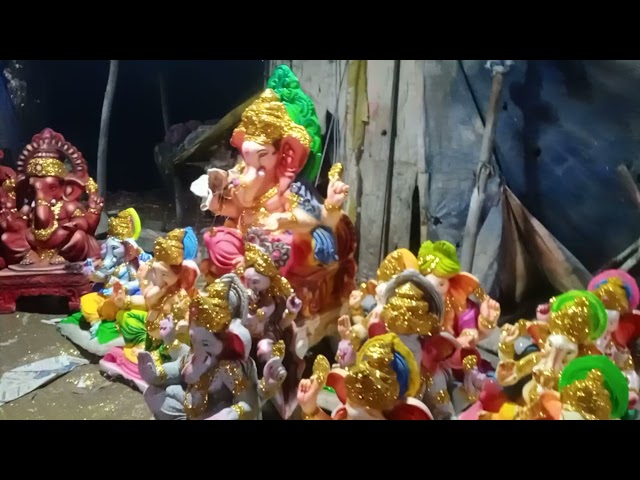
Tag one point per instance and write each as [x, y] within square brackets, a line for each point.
[564, 128]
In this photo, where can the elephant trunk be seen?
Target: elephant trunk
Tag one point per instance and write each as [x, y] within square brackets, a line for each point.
[250, 184]
[43, 217]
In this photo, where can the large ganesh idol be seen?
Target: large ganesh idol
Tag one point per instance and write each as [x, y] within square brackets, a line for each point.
[47, 226]
[279, 139]
[61, 227]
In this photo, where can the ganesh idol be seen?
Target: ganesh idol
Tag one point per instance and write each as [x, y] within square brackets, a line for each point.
[49, 225]
[271, 188]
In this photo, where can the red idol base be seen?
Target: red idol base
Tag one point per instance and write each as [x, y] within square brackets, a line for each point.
[15, 284]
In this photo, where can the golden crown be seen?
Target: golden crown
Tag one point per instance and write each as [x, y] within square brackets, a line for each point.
[372, 381]
[213, 311]
[255, 257]
[121, 226]
[572, 321]
[407, 312]
[170, 250]
[46, 167]
[613, 295]
[266, 120]
[588, 397]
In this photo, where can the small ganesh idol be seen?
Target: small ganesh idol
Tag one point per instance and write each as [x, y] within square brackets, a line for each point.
[620, 295]
[464, 318]
[379, 386]
[518, 354]
[590, 388]
[578, 318]
[121, 258]
[273, 308]
[218, 379]
[158, 319]
[279, 138]
[354, 328]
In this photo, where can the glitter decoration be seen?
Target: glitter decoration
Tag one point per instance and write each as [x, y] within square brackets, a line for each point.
[124, 225]
[44, 234]
[469, 363]
[396, 262]
[372, 381]
[236, 375]
[321, 369]
[588, 397]
[240, 410]
[278, 349]
[46, 167]
[613, 295]
[572, 321]
[266, 121]
[91, 186]
[407, 312]
[170, 249]
[255, 257]
[213, 311]
[335, 172]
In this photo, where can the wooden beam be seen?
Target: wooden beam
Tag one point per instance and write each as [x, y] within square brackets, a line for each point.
[223, 128]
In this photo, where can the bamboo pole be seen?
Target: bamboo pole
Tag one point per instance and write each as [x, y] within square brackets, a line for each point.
[103, 139]
[498, 69]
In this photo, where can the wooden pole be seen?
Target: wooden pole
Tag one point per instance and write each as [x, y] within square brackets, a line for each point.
[484, 167]
[103, 139]
[164, 102]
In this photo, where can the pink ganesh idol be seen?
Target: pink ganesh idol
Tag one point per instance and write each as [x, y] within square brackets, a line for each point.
[271, 189]
[467, 320]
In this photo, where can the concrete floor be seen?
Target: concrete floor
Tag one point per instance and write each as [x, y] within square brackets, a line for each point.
[82, 394]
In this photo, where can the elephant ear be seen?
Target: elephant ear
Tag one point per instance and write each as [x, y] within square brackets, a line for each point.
[73, 188]
[131, 250]
[239, 339]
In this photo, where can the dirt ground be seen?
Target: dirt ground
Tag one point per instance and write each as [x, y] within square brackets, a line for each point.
[82, 394]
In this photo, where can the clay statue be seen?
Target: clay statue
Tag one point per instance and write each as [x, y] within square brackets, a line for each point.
[577, 319]
[518, 354]
[590, 388]
[279, 139]
[121, 258]
[218, 379]
[620, 295]
[61, 227]
[379, 386]
[467, 320]
[157, 320]
[273, 307]
[12, 221]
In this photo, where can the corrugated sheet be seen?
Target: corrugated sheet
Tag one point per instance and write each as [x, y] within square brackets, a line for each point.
[564, 129]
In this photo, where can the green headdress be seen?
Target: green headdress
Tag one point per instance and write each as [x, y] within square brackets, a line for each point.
[594, 387]
[284, 111]
[439, 258]
[578, 315]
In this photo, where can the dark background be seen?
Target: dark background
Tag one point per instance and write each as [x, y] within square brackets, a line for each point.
[71, 93]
